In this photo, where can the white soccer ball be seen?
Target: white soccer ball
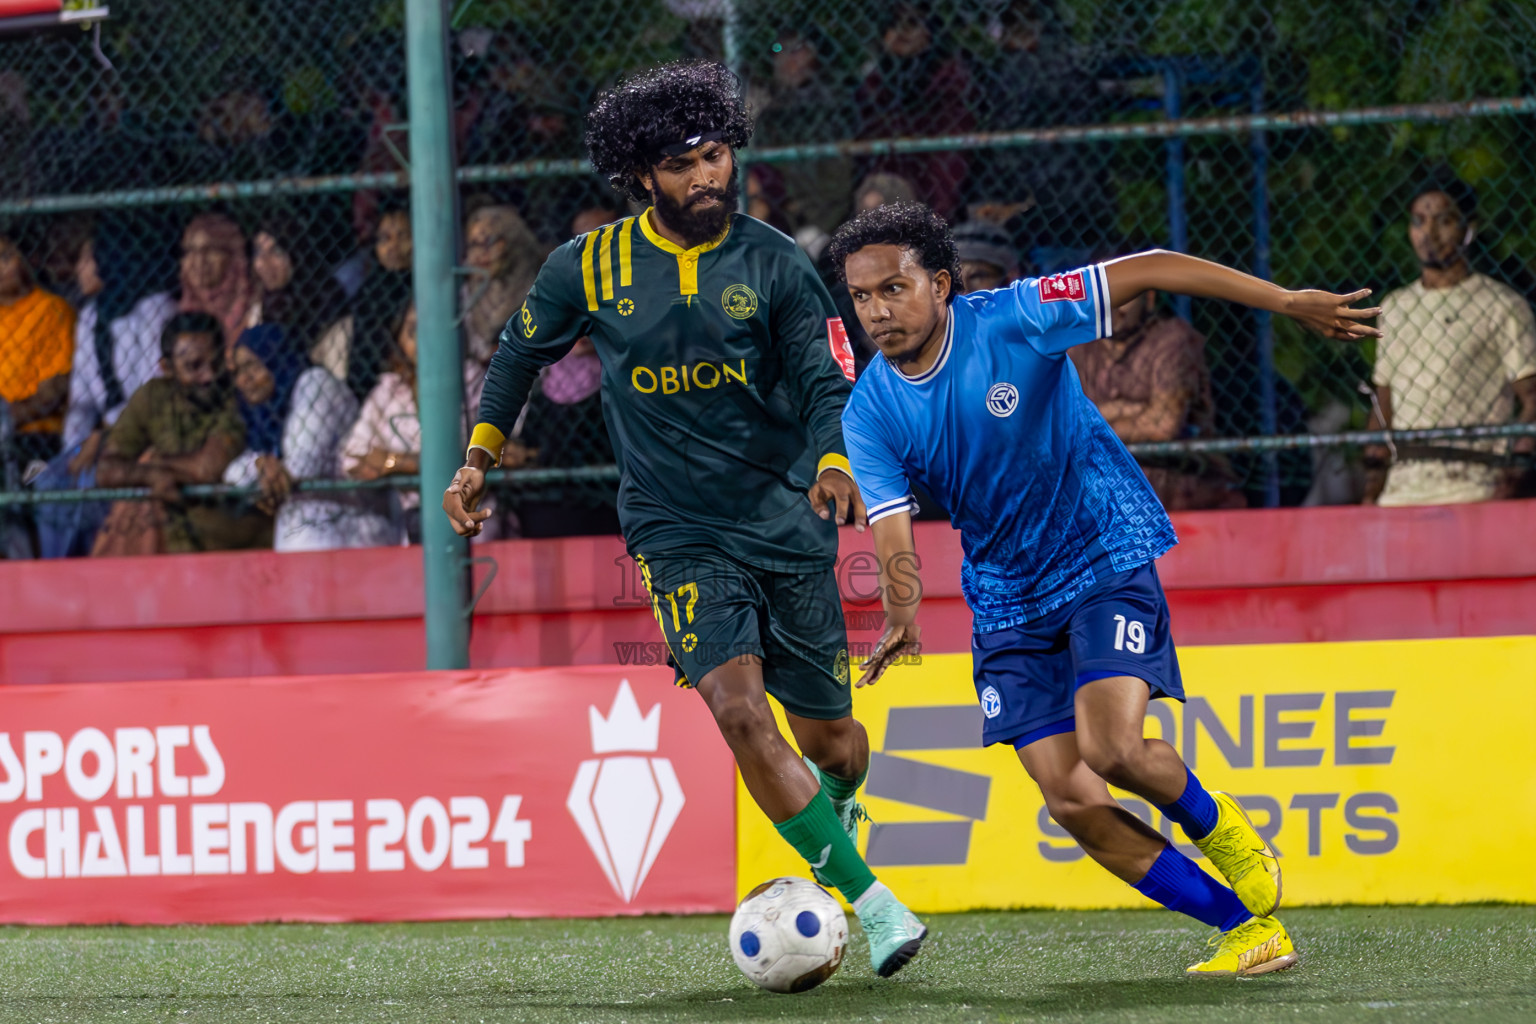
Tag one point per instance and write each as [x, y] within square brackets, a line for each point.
[788, 935]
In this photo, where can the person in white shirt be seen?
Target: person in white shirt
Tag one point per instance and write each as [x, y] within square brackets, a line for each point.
[386, 439]
[1458, 349]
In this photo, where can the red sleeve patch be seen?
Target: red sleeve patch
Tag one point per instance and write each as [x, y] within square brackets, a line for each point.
[842, 352]
[1063, 288]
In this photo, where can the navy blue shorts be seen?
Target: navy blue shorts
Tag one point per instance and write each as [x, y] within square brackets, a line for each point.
[1027, 676]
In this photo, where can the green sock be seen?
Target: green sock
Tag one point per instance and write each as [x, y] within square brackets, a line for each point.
[819, 837]
[838, 788]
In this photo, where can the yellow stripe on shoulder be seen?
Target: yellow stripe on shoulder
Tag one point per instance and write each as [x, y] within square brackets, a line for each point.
[587, 278]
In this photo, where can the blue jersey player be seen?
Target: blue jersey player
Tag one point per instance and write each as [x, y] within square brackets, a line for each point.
[976, 401]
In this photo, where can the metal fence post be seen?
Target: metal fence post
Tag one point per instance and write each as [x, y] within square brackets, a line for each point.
[439, 364]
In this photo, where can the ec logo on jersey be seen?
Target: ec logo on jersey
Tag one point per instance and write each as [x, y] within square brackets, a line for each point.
[626, 307]
[1063, 288]
[1002, 399]
[740, 302]
[991, 702]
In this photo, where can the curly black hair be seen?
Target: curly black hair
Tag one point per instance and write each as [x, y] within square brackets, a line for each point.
[911, 226]
[630, 123]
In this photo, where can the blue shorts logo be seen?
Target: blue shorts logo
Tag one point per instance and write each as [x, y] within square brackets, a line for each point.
[991, 702]
[1002, 399]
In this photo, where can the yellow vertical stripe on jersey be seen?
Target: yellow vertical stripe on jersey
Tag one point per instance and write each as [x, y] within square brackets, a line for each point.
[586, 271]
[624, 251]
[606, 256]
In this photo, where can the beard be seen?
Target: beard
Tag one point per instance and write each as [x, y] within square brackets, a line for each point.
[207, 397]
[695, 225]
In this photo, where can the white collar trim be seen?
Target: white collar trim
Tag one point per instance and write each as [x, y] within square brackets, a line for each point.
[932, 371]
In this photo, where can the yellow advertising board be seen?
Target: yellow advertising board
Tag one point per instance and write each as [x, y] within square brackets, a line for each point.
[1383, 772]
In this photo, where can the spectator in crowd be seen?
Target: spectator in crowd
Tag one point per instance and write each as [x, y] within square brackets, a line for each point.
[987, 256]
[117, 336]
[386, 439]
[182, 428]
[591, 218]
[235, 131]
[917, 88]
[293, 291]
[501, 247]
[1056, 195]
[216, 275]
[61, 258]
[36, 338]
[356, 347]
[766, 197]
[877, 190]
[807, 103]
[296, 416]
[1150, 381]
[1458, 349]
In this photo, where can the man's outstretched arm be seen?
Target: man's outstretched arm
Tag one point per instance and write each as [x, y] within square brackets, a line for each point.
[1324, 312]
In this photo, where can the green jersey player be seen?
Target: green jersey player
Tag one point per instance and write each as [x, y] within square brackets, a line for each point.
[725, 372]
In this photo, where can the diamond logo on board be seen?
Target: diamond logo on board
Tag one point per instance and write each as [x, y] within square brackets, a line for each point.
[625, 805]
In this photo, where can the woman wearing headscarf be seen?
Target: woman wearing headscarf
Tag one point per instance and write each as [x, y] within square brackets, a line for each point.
[357, 346]
[499, 244]
[215, 273]
[116, 350]
[295, 416]
[292, 289]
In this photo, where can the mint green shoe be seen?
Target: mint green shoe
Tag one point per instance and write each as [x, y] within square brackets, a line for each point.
[849, 811]
[894, 932]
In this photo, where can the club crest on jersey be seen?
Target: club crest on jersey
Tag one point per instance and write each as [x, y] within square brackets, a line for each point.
[1063, 288]
[842, 352]
[840, 667]
[1002, 399]
[740, 302]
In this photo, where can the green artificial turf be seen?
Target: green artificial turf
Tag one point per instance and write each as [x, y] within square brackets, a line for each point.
[1358, 964]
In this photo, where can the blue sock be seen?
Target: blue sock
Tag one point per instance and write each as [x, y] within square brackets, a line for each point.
[1195, 811]
[1177, 883]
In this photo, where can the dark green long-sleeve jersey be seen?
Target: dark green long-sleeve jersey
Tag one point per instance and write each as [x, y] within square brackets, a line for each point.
[725, 372]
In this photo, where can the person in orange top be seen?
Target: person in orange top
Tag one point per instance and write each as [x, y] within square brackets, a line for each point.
[37, 330]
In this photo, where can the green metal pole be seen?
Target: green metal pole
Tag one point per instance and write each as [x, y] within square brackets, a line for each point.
[439, 366]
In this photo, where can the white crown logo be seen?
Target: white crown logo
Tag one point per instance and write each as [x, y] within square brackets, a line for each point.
[625, 806]
[624, 729]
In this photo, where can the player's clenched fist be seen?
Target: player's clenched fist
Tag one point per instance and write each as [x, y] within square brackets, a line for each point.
[462, 497]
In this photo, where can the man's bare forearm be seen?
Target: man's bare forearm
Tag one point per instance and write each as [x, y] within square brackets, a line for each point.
[118, 471]
[1165, 271]
[901, 589]
[204, 466]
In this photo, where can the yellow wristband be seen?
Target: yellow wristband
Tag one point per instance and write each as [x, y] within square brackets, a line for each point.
[488, 439]
[834, 461]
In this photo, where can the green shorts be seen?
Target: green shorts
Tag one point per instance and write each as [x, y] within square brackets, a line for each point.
[713, 609]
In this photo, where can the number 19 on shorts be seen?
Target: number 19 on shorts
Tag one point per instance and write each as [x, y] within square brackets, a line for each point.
[1130, 635]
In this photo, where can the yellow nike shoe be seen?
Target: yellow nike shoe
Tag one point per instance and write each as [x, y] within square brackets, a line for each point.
[1245, 860]
[1259, 945]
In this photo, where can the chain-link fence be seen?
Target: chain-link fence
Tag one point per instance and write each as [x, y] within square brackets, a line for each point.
[247, 165]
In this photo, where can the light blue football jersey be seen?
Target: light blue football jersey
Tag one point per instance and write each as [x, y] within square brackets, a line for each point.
[1046, 498]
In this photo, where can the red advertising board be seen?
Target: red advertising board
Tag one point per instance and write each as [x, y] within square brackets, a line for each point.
[556, 792]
